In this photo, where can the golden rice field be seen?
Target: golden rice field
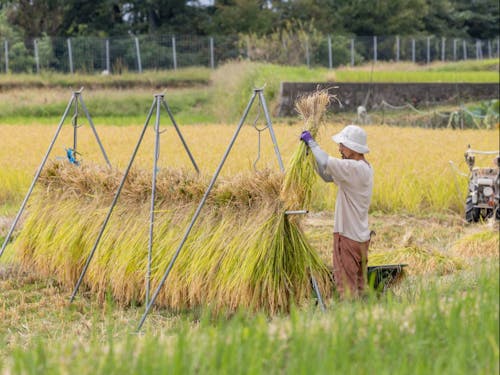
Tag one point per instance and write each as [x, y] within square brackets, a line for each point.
[413, 173]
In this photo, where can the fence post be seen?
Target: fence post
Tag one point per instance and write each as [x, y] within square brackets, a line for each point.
[397, 48]
[6, 46]
[413, 50]
[489, 49]
[308, 62]
[70, 55]
[212, 62]
[443, 48]
[138, 53]
[478, 50]
[174, 53]
[428, 49]
[330, 58]
[454, 50]
[498, 47]
[37, 60]
[352, 52]
[375, 49]
[464, 45]
[108, 63]
[248, 47]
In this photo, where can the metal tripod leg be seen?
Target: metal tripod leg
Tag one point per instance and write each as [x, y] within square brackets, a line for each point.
[159, 98]
[37, 175]
[113, 204]
[75, 121]
[92, 126]
[196, 214]
[318, 294]
[153, 197]
[270, 125]
[179, 134]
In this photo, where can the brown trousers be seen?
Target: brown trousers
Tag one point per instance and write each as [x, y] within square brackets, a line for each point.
[349, 265]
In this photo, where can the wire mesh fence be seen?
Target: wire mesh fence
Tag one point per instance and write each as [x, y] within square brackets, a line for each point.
[482, 115]
[145, 52]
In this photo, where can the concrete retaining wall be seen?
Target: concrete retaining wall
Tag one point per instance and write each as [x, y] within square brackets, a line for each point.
[371, 95]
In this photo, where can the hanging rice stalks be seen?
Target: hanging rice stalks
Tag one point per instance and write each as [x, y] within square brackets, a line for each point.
[243, 251]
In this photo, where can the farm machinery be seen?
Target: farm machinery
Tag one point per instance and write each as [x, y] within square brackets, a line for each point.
[483, 197]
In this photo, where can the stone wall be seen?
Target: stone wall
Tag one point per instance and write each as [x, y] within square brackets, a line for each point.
[371, 95]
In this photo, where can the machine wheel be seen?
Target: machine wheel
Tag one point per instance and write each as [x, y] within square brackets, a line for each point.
[472, 213]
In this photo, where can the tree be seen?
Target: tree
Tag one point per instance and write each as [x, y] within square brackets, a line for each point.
[172, 16]
[323, 13]
[396, 17]
[479, 18]
[243, 16]
[443, 19]
[96, 18]
[36, 17]
[458, 18]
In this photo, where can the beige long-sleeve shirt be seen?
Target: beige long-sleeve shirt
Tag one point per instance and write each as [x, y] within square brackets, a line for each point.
[354, 179]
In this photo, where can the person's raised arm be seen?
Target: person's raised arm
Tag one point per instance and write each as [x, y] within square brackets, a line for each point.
[320, 155]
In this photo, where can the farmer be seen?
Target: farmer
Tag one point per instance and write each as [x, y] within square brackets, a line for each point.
[354, 177]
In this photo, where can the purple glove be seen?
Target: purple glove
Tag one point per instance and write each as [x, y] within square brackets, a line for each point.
[306, 137]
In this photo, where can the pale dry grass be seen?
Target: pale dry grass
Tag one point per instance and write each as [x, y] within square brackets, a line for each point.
[483, 242]
[22, 97]
[382, 66]
[419, 261]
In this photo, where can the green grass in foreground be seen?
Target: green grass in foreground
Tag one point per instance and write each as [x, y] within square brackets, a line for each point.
[430, 326]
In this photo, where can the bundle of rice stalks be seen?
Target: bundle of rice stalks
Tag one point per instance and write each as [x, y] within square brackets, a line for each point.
[300, 176]
[242, 253]
[420, 261]
[484, 244]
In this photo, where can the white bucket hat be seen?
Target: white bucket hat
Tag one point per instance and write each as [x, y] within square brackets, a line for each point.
[354, 138]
